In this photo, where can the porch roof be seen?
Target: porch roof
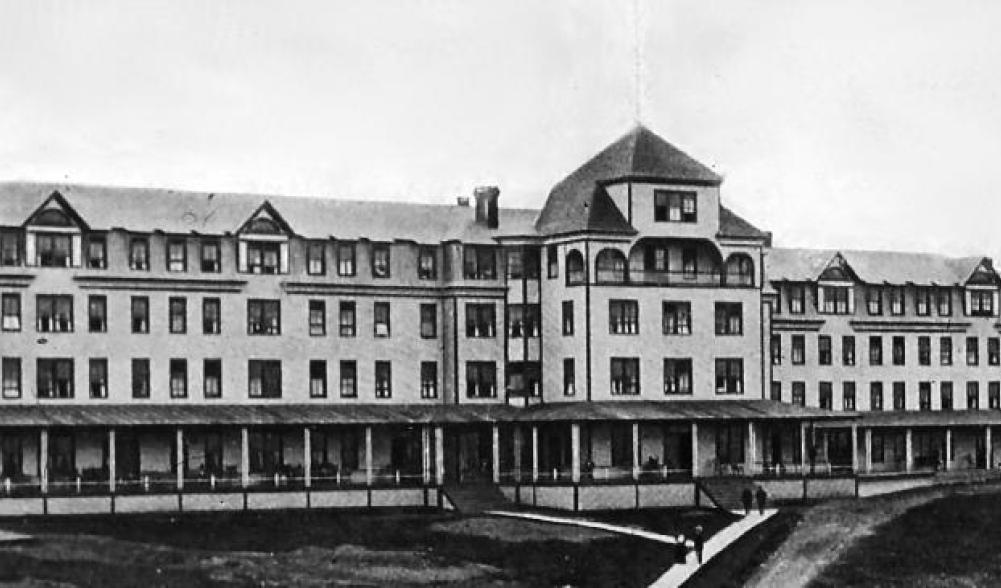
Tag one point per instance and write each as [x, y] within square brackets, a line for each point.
[676, 410]
[927, 418]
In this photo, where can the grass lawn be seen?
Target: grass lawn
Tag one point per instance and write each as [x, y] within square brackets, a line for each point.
[324, 547]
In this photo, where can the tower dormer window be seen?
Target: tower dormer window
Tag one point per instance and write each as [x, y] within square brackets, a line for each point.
[674, 206]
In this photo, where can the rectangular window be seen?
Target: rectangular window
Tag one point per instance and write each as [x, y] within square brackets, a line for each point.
[54, 250]
[835, 299]
[874, 300]
[346, 319]
[848, 350]
[178, 378]
[899, 396]
[848, 394]
[924, 396]
[380, 313]
[212, 378]
[875, 350]
[799, 393]
[345, 259]
[383, 379]
[140, 314]
[730, 376]
[876, 396]
[824, 350]
[10, 248]
[943, 300]
[11, 367]
[689, 263]
[426, 264]
[316, 259]
[317, 378]
[479, 262]
[177, 255]
[677, 376]
[569, 377]
[11, 313]
[798, 350]
[775, 349]
[993, 351]
[55, 313]
[922, 301]
[211, 316]
[265, 379]
[264, 317]
[674, 206]
[797, 299]
[317, 318]
[729, 318]
[567, 318]
[972, 351]
[896, 301]
[625, 376]
[776, 392]
[349, 379]
[480, 320]
[623, 317]
[523, 321]
[140, 378]
[982, 303]
[429, 321]
[552, 261]
[380, 260]
[825, 396]
[99, 378]
[139, 254]
[264, 257]
[945, 350]
[54, 378]
[924, 350]
[97, 252]
[178, 319]
[677, 318]
[993, 395]
[899, 351]
[429, 379]
[211, 259]
[945, 395]
[97, 314]
[515, 263]
[973, 395]
[481, 379]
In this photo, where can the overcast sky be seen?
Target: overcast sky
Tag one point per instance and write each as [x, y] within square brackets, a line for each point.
[835, 124]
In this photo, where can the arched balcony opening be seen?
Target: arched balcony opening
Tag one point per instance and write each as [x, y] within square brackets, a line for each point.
[675, 262]
[739, 270]
[575, 268]
[610, 267]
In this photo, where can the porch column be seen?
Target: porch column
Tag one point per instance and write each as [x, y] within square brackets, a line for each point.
[307, 457]
[111, 460]
[517, 442]
[244, 457]
[855, 459]
[575, 452]
[988, 453]
[535, 453]
[908, 450]
[439, 454]
[752, 457]
[636, 450]
[426, 453]
[181, 462]
[495, 456]
[948, 448]
[803, 453]
[695, 449]
[368, 454]
[43, 460]
[868, 450]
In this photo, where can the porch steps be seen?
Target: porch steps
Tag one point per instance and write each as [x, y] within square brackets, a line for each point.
[726, 492]
[476, 498]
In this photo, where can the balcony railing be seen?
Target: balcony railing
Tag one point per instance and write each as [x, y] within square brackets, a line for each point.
[669, 278]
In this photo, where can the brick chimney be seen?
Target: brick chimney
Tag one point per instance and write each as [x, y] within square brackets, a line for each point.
[486, 206]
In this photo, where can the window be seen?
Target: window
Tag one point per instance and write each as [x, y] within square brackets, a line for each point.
[945, 395]
[797, 299]
[899, 391]
[139, 254]
[874, 300]
[480, 320]
[264, 257]
[55, 313]
[945, 350]
[677, 376]
[799, 393]
[730, 376]
[552, 262]
[349, 379]
[346, 319]
[383, 379]
[429, 379]
[211, 259]
[836, 299]
[178, 378]
[211, 316]
[674, 206]
[54, 378]
[177, 255]
[380, 315]
[798, 349]
[140, 314]
[479, 262]
[97, 314]
[625, 376]
[973, 395]
[98, 378]
[576, 270]
[10, 248]
[623, 317]
[972, 351]
[924, 396]
[481, 379]
[345, 259]
[54, 250]
[523, 320]
[426, 265]
[429, 321]
[848, 350]
[776, 392]
[982, 303]
[317, 378]
[316, 262]
[380, 260]
[515, 263]
[896, 301]
[11, 313]
[11, 368]
[97, 252]
[689, 265]
[567, 317]
[899, 351]
[178, 315]
[943, 300]
[610, 266]
[264, 317]
[993, 351]
[212, 378]
[824, 350]
[876, 396]
[775, 349]
[994, 395]
[569, 377]
[826, 396]
[875, 350]
[729, 318]
[848, 395]
[317, 318]
[677, 319]
[265, 378]
[140, 378]
[922, 301]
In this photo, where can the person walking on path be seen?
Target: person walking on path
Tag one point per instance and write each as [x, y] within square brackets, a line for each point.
[747, 499]
[680, 550]
[698, 542]
[762, 496]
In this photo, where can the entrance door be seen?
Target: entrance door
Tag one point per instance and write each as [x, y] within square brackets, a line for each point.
[981, 453]
[468, 455]
[839, 448]
[126, 456]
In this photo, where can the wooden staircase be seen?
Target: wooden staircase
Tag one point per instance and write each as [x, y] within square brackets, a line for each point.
[726, 492]
[476, 498]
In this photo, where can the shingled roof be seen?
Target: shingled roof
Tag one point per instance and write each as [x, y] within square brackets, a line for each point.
[575, 205]
[731, 225]
[873, 267]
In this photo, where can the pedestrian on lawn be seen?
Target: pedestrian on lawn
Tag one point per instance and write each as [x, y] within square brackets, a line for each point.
[698, 541]
[762, 496]
[680, 549]
[747, 499]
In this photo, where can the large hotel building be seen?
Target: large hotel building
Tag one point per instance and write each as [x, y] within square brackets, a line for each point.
[165, 349]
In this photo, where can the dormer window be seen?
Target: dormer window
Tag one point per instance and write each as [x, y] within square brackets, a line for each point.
[922, 301]
[981, 302]
[479, 262]
[262, 257]
[177, 255]
[674, 206]
[896, 301]
[10, 248]
[836, 299]
[210, 257]
[874, 300]
[943, 300]
[797, 299]
[54, 250]
[380, 261]
[426, 264]
[316, 263]
[139, 254]
[263, 243]
[97, 252]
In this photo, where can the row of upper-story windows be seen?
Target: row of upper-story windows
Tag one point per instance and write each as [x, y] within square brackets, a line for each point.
[625, 380]
[898, 350]
[880, 300]
[849, 401]
[676, 317]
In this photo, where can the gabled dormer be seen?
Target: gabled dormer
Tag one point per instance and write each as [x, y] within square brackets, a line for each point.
[263, 242]
[53, 234]
[981, 290]
[836, 287]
